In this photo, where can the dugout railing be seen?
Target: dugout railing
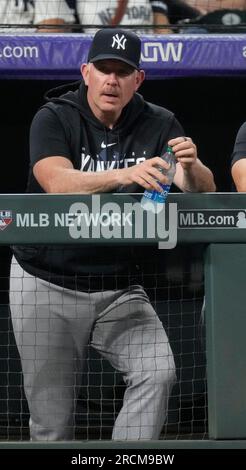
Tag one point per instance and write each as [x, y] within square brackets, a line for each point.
[214, 222]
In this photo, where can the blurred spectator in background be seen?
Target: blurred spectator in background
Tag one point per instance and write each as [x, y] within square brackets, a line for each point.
[14, 12]
[177, 10]
[159, 13]
[192, 16]
[206, 6]
[27, 12]
[160, 16]
[139, 13]
[217, 16]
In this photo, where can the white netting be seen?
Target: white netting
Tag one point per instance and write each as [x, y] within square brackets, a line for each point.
[176, 293]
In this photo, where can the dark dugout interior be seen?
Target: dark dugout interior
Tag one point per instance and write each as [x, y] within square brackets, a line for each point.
[211, 109]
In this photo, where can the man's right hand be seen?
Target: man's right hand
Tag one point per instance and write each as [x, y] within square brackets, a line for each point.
[146, 174]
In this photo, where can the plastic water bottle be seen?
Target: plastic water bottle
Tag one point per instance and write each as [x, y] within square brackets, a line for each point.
[154, 200]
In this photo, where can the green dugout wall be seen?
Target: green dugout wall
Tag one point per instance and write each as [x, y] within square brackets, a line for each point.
[216, 220]
[226, 346]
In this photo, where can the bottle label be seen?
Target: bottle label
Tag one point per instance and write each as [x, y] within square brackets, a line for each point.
[156, 196]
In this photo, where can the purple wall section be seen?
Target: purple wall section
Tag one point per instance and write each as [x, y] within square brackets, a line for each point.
[56, 56]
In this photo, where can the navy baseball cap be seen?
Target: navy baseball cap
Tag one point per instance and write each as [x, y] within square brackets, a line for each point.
[119, 44]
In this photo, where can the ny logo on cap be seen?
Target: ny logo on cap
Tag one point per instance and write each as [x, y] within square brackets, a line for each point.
[119, 42]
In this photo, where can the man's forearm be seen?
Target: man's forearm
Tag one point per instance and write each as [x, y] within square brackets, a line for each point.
[239, 174]
[74, 181]
[198, 178]
[58, 26]
[57, 175]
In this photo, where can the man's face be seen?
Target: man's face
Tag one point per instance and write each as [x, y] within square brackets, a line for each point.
[111, 85]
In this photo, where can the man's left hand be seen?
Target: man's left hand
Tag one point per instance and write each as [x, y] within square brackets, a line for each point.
[185, 151]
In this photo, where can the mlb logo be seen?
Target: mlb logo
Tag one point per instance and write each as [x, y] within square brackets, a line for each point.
[5, 219]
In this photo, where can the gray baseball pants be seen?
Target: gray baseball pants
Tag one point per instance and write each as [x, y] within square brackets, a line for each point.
[53, 327]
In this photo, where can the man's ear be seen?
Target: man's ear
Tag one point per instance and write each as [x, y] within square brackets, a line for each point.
[84, 69]
[139, 79]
